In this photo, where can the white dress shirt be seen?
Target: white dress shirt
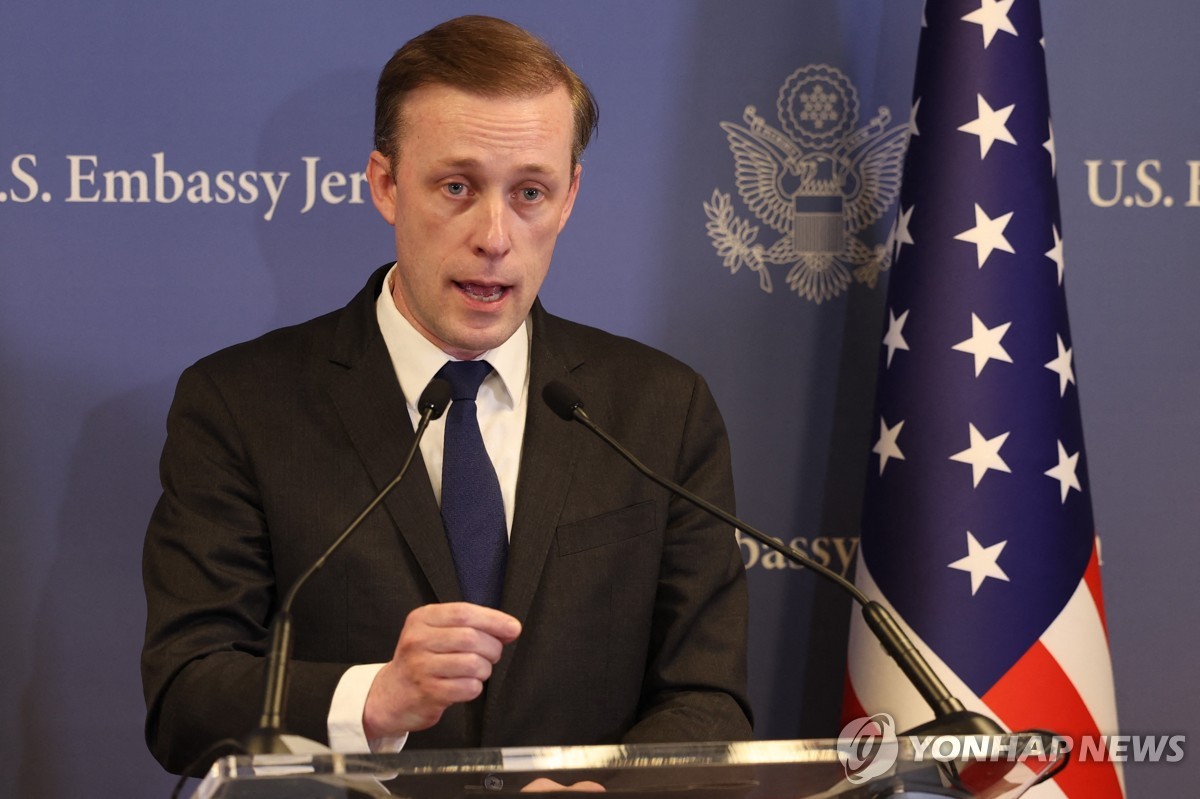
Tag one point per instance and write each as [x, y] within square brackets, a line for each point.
[502, 402]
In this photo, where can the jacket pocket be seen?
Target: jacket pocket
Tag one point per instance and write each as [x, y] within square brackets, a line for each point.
[607, 528]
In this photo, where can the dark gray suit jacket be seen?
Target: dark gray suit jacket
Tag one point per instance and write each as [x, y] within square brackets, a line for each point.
[633, 604]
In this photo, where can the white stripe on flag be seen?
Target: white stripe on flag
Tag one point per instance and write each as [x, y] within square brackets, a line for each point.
[879, 686]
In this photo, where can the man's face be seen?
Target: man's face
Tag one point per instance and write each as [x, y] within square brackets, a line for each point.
[478, 193]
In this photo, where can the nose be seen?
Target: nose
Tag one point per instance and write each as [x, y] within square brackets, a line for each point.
[493, 233]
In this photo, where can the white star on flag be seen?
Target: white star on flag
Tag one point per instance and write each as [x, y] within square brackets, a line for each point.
[984, 343]
[886, 446]
[903, 236]
[1049, 145]
[894, 339]
[1062, 366]
[983, 454]
[987, 235]
[1056, 252]
[1064, 472]
[990, 126]
[912, 118]
[992, 17]
[980, 562]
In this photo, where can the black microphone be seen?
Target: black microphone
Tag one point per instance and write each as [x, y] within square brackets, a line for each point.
[267, 739]
[950, 717]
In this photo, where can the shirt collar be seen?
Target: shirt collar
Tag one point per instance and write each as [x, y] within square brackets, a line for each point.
[416, 359]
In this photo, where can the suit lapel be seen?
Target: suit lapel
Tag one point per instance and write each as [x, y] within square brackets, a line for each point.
[547, 462]
[367, 396]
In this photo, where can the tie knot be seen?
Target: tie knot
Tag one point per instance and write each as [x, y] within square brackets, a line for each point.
[464, 377]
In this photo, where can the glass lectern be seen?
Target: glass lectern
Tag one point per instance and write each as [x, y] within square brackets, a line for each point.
[1001, 767]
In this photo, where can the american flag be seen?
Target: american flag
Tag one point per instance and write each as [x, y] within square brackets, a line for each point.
[977, 528]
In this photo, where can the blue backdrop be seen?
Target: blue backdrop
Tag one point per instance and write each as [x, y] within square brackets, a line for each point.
[178, 177]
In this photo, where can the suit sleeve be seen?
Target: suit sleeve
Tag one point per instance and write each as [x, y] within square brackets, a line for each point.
[695, 682]
[211, 592]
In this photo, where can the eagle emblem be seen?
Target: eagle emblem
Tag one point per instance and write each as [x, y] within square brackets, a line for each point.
[818, 180]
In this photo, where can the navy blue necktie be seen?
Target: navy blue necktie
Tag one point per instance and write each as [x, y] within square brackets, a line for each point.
[472, 507]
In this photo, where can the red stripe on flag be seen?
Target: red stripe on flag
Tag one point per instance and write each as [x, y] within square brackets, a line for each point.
[851, 708]
[1092, 577]
[1037, 694]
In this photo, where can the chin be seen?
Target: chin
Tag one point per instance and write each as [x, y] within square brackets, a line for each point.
[490, 336]
[479, 343]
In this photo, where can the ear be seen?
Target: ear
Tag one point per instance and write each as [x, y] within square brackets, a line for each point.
[572, 193]
[383, 185]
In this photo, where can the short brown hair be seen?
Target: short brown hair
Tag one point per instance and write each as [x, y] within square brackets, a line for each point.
[484, 55]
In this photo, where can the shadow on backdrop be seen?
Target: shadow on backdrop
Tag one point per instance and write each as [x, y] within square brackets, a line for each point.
[91, 618]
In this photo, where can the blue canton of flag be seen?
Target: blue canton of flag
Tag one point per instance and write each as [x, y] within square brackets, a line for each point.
[977, 529]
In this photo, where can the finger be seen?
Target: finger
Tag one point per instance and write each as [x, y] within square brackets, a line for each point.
[456, 666]
[544, 785]
[463, 614]
[452, 691]
[457, 640]
[420, 636]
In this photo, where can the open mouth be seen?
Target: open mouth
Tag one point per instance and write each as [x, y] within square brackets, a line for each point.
[482, 293]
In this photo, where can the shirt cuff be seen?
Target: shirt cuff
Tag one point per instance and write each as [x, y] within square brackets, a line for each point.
[344, 722]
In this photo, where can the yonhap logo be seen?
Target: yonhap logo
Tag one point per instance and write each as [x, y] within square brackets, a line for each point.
[867, 747]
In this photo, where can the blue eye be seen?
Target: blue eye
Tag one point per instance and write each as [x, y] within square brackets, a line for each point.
[531, 195]
[456, 189]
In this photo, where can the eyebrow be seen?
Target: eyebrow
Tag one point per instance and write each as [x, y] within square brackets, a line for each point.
[467, 163]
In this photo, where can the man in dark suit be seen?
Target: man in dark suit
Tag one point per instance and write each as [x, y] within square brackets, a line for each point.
[622, 611]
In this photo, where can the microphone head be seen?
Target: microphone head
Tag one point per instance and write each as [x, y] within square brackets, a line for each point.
[562, 399]
[434, 398]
